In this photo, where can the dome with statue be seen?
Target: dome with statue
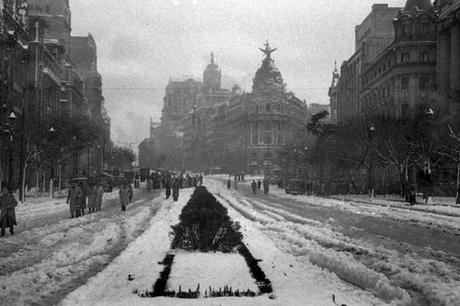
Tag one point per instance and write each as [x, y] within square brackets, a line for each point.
[268, 78]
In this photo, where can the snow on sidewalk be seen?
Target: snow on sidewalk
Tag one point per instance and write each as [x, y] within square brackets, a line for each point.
[40, 263]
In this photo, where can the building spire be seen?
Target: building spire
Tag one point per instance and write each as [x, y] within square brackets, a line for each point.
[335, 66]
[212, 57]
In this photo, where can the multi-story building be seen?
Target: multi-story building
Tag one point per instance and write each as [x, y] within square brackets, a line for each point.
[371, 37]
[249, 132]
[333, 95]
[57, 17]
[448, 61]
[403, 76]
[14, 88]
[83, 53]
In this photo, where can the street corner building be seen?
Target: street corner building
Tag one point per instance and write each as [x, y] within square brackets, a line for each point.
[209, 128]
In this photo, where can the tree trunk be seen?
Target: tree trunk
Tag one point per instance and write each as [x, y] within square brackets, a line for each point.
[37, 182]
[23, 183]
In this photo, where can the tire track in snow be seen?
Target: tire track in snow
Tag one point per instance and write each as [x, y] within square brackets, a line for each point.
[404, 269]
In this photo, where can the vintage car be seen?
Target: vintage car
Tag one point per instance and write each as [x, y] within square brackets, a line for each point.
[295, 187]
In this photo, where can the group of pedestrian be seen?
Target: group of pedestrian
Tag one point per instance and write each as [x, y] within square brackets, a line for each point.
[256, 186]
[173, 185]
[81, 197]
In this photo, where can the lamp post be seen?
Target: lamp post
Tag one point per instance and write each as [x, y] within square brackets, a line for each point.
[51, 132]
[371, 133]
[12, 119]
[429, 113]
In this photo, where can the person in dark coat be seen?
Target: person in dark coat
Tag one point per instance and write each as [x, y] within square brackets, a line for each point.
[259, 184]
[168, 188]
[7, 215]
[130, 192]
[458, 194]
[124, 196]
[99, 195]
[84, 191]
[73, 199]
[175, 189]
[266, 186]
[92, 196]
[254, 187]
[412, 195]
[229, 184]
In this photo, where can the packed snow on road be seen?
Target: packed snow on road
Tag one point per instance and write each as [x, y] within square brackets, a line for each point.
[313, 251]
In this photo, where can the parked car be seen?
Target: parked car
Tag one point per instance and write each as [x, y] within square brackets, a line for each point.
[295, 187]
[106, 181]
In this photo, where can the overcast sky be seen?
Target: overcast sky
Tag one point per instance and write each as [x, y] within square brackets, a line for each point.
[141, 44]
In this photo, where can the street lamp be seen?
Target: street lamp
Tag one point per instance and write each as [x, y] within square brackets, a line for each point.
[371, 133]
[12, 118]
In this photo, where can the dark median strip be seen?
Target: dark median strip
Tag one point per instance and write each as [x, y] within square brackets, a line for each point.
[206, 227]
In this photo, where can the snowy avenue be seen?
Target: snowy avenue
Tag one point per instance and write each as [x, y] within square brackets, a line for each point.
[314, 250]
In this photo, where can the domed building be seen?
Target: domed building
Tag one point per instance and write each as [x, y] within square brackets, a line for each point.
[212, 75]
[259, 124]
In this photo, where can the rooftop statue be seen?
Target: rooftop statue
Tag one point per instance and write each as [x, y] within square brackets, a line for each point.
[268, 50]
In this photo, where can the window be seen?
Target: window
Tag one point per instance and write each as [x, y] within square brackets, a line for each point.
[424, 57]
[267, 107]
[405, 109]
[423, 83]
[255, 133]
[405, 83]
[405, 57]
[406, 29]
[424, 28]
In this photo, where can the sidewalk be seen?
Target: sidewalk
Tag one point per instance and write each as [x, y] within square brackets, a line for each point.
[438, 205]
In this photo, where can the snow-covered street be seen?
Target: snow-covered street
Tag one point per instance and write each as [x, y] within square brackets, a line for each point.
[310, 248]
[51, 255]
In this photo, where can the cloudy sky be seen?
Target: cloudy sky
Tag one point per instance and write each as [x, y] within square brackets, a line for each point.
[141, 44]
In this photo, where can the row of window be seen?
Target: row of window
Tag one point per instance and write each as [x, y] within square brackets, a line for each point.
[404, 57]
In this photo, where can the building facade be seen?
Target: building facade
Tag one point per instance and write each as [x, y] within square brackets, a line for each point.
[373, 35]
[448, 60]
[41, 89]
[403, 77]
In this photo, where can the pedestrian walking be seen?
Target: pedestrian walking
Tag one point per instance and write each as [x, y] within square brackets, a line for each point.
[84, 191]
[73, 199]
[201, 180]
[254, 187]
[130, 192]
[266, 186]
[99, 195]
[229, 184]
[235, 183]
[458, 195]
[412, 195]
[92, 195]
[7, 214]
[168, 188]
[259, 184]
[175, 190]
[124, 196]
